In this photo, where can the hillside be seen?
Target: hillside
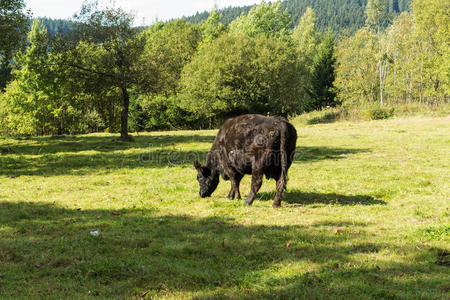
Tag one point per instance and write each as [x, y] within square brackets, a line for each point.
[337, 15]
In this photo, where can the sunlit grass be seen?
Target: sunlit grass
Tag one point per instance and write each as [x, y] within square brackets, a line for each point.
[366, 215]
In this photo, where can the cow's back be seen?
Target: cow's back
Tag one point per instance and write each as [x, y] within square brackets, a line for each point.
[244, 139]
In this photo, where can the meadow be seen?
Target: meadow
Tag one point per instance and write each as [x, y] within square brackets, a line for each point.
[366, 216]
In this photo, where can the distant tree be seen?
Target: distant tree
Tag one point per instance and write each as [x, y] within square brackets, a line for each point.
[431, 20]
[268, 19]
[212, 27]
[339, 16]
[356, 68]
[377, 14]
[34, 100]
[240, 74]
[168, 48]
[105, 50]
[306, 39]
[13, 29]
[321, 89]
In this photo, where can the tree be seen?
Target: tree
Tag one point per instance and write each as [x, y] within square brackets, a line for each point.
[34, 100]
[376, 11]
[404, 81]
[321, 89]
[267, 19]
[431, 19]
[240, 74]
[168, 48]
[13, 28]
[212, 27]
[356, 69]
[305, 39]
[114, 52]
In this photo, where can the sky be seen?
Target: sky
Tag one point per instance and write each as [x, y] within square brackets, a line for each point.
[146, 11]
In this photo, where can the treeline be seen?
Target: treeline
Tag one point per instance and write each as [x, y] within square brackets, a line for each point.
[55, 26]
[109, 76]
[331, 15]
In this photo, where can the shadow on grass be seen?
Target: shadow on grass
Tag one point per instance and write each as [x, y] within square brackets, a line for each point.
[80, 155]
[307, 154]
[327, 117]
[102, 144]
[48, 251]
[305, 198]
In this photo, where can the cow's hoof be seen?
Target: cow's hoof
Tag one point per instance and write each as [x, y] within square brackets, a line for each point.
[247, 203]
[276, 205]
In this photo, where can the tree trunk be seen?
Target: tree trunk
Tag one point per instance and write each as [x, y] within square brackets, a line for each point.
[381, 66]
[124, 114]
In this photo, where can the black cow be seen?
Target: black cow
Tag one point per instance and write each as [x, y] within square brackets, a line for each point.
[249, 144]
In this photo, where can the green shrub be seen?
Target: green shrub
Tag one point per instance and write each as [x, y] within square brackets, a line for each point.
[380, 113]
[161, 113]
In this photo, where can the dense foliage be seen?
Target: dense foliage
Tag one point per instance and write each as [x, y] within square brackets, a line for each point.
[13, 27]
[106, 75]
[408, 62]
[336, 15]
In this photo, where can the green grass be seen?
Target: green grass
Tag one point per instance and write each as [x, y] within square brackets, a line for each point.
[366, 216]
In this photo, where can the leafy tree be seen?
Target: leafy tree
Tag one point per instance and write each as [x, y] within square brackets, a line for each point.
[267, 19]
[13, 28]
[305, 40]
[212, 27]
[356, 69]
[431, 19]
[305, 35]
[376, 11]
[240, 74]
[105, 52]
[168, 48]
[404, 82]
[321, 89]
[36, 102]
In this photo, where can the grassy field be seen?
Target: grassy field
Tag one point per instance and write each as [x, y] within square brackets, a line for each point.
[366, 216]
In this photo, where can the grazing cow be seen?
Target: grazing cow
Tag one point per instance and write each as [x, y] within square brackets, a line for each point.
[249, 144]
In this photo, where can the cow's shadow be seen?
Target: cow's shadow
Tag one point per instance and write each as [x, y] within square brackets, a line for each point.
[306, 198]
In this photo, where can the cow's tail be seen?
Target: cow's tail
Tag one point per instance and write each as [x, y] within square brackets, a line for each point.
[283, 157]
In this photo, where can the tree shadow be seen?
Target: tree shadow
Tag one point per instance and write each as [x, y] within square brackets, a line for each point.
[80, 143]
[308, 154]
[49, 251]
[305, 198]
[327, 117]
[81, 155]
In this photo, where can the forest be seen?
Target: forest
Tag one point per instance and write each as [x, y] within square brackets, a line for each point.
[283, 58]
[335, 15]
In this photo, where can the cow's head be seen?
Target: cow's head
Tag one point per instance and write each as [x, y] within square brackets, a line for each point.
[207, 179]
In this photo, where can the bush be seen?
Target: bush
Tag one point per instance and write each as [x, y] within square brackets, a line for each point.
[380, 113]
[161, 113]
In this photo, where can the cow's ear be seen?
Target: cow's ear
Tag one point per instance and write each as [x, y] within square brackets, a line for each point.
[197, 165]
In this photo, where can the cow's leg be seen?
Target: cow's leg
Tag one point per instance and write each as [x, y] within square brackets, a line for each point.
[231, 193]
[257, 177]
[279, 193]
[235, 181]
